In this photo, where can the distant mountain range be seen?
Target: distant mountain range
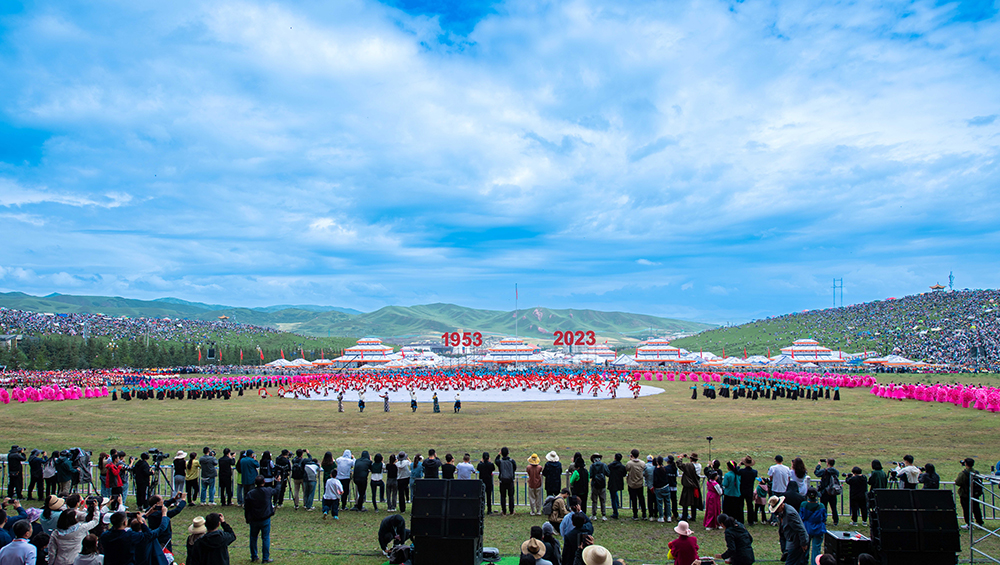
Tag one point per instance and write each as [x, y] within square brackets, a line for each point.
[428, 320]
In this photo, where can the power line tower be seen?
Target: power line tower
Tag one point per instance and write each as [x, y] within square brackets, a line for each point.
[951, 280]
[838, 283]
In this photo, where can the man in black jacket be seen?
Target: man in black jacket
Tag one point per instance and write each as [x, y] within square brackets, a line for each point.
[392, 530]
[257, 509]
[213, 547]
[35, 464]
[15, 475]
[616, 483]
[141, 472]
[226, 464]
[571, 543]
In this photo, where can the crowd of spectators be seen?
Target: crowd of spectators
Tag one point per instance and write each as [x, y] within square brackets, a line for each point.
[959, 328]
[14, 322]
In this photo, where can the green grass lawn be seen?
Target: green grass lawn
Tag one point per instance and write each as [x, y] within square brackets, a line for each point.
[855, 430]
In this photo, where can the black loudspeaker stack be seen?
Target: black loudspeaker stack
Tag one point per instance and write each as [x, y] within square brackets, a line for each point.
[914, 526]
[446, 521]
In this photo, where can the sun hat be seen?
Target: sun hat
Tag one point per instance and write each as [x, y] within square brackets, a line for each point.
[33, 514]
[649, 458]
[595, 456]
[596, 555]
[54, 502]
[534, 548]
[683, 528]
[197, 526]
[748, 461]
[694, 457]
[552, 456]
[534, 460]
[774, 502]
[180, 454]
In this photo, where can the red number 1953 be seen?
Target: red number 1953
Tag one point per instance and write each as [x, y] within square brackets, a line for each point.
[454, 339]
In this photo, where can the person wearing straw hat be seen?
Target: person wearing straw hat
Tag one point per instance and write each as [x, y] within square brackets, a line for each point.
[553, 474]
[534, 549]
[196, 530]
[684, 549]
[213, 547]
[748, 483]
[598, 555]
[534, 470]
[796, 538]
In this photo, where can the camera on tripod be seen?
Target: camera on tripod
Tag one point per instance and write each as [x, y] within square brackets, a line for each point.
[157, 455]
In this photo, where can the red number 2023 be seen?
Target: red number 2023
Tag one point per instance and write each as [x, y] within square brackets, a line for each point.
[574, 338]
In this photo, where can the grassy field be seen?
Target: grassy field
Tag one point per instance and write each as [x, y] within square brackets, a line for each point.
[855, 430]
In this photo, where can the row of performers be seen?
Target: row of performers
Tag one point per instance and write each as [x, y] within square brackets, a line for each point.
[755, 391]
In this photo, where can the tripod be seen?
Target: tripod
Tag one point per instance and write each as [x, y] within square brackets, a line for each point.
[154, 479]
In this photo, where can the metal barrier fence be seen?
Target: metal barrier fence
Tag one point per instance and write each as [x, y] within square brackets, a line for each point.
[990, 502]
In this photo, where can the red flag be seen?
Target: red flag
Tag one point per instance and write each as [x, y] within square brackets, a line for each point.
[303, 352]
[322, 355]
[261, 351]
[769, 351]
[241, 356]
[282, 353]
[723, 351]
[199, 355]
[744, 352]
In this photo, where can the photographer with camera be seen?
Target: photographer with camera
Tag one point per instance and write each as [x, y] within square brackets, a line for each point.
[969, 490]
[226, 465]
[154, 516]
[15, 472]
[209, 470]
[120, 543]
[929, 478]
[36, 463]
[908, 474]
[141, 473]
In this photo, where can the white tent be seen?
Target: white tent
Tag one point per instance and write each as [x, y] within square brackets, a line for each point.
[624, 361]
[280, 363]
[782, 360]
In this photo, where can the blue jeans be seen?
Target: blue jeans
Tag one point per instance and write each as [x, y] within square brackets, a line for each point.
[239, 494]
[208, 487]
[817, 546]
[331, 507]
[309, 493]
[263, 529]
[615, 505]
[663, 509]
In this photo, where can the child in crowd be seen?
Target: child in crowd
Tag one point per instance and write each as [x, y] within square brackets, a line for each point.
[713, 500]
[858, 489]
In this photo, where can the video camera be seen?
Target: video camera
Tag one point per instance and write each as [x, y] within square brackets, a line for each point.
[157, 455]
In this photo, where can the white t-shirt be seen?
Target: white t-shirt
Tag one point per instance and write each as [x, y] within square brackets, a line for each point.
[779, 478]
[802, 483]
[333, 489]
[911, 473]
[464, 470]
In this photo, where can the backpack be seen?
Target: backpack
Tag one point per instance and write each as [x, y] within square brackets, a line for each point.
[297, 472]
[834, 488]
[400, 554]
[598, 474]
[506, 469]
[49, 470]
[547, 507]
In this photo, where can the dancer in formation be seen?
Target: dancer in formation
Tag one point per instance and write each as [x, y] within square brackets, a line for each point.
[340, 401]
[361, 401]
[413, 400]
[458, 402]
[437, 407]
[385, 401]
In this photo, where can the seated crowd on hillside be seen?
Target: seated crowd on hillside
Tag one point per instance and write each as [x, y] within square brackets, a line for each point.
[731, 496]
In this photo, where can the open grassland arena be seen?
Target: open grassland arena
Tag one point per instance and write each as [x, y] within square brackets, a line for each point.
[855, 430]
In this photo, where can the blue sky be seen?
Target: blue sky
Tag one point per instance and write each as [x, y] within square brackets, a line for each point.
[717, 161]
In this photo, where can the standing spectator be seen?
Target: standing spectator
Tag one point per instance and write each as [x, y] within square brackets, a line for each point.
[19, 551]
[392, 482]
[929, 477]
[634, 470]
[506, 468]
[661, 488]
[267, 469]
[283, 466]
[153, 517]
[799, 478]
[748, 481]
[362, 468]
[35, 464]
[909, 474]
[970, 489]
[448, 469]
[345, 465]
[465, 469]
[552, 473]
[64, 473]
[142, 473]
[114, 476]
[813, 514]
[257, 510]
[713, 500]
[647, 483]
[829, 480]
[226, 464]
[416, 472]
[179, 472]
[329, 467]
[196, 531]
[297, 475]
[685, 547]
[598, 486]
[579, 482]
[248, 472]
[534, 470]
[377, 480]
[857, 486]
[15, 472]
[192, 477]
[691, 498]
[878, 478]
[331, 498]
[732, 501]
[796, 542]
[571, 541]
[310, 476]
[49, 475]
[403, 479]
[779, 474]
[431, 465]
[209, 471]
[672, 474]
[616, 483]
[485, 470]
[213, 547]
